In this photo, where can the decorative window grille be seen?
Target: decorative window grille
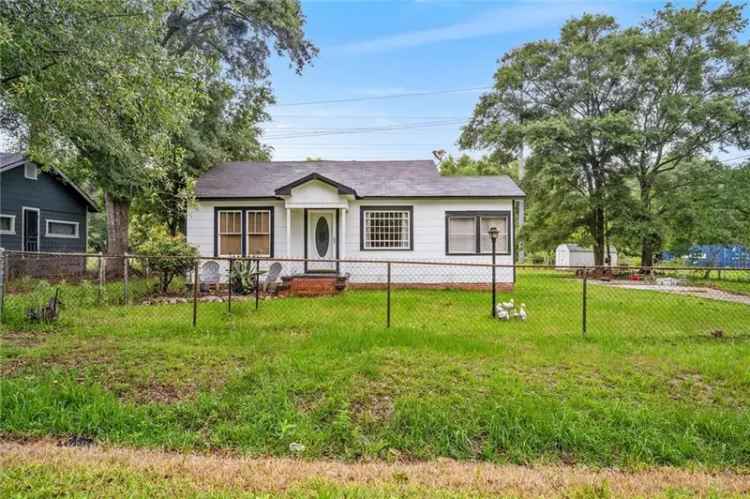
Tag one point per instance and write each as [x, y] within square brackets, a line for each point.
[387, 229]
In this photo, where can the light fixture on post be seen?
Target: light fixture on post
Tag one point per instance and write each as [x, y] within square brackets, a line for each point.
[493, 237]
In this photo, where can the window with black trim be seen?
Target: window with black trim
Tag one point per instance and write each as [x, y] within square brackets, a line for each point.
[229, 233]
[386, 228]
[61, 229]
[258, 232]
[244, 231]
[467, 232]
[7, 224]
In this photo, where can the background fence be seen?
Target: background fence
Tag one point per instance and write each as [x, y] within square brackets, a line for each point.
[213, 295]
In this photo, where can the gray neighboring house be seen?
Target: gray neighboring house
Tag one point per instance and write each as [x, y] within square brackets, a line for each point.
[41, 210]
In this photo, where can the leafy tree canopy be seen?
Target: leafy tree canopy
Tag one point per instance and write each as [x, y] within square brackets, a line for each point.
[608, 111]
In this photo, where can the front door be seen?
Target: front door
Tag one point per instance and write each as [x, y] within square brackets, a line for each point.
[321, 240]
[30, 239]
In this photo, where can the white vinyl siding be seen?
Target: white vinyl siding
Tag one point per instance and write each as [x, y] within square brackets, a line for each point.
[428, 220]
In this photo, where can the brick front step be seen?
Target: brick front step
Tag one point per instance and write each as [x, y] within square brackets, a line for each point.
[314, 285]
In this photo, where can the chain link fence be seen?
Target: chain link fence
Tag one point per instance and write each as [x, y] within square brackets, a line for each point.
[287, 296]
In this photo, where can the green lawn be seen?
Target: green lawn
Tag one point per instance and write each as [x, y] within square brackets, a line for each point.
[649, 384]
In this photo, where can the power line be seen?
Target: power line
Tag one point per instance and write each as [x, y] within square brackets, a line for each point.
[387, 96]
[365, 116]
[391, 128]
[735, 158]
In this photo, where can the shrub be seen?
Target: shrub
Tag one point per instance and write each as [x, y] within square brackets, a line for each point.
[180, 255]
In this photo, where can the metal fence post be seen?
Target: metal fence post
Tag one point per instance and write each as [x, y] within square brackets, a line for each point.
[257, 282]
[388, 294]
[125, 278]
[494, 277]
[584, 310]
[229, 287]
[102, 270]
[3, 271]
[195, 293]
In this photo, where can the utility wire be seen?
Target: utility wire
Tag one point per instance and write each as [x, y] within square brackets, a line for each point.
[387, 96]
[318, 133]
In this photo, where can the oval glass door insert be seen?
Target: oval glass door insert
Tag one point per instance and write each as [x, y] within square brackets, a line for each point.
[322, 236]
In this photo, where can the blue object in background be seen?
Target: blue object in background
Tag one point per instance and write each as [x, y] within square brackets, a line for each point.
[714, 255]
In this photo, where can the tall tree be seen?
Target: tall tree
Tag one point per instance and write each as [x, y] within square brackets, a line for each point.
[693, 83]
[109, 86]
[568, 101]
[224, 129]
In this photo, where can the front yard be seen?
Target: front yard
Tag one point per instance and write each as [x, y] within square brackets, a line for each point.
[651, 384]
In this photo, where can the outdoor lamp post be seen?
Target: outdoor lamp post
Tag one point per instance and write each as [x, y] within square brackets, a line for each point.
[493, 237]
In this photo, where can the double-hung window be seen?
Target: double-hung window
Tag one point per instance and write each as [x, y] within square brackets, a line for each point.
[467, 232]
[230, 233]
[244, 232]
[386, 228]
[258, 232]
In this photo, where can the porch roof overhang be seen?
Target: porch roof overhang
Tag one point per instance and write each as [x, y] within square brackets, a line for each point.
[316, 191]
[286, 190]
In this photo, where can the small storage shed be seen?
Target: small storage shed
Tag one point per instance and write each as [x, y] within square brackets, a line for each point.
[572, 255]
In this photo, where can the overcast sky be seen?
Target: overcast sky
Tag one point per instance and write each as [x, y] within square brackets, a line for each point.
[384, 49]
[441, 54]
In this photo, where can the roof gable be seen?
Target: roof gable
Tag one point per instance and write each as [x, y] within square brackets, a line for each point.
[10, 161]
[341, 188]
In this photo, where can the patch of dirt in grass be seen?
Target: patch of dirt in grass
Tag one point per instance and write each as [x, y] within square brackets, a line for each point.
[279, 475]
[23, 339]
[374, 407]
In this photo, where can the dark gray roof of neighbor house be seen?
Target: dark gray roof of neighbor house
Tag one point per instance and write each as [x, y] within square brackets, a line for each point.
[419, 178]
[9, 161]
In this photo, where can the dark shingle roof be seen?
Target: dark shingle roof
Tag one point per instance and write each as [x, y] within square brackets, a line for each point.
[9, 161]
[418, 178]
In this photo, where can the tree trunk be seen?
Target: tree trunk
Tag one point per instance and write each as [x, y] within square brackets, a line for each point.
[649, 237]
[599, 238]
[117, 232]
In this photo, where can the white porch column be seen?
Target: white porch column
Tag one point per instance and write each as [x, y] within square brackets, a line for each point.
[342, 242]
[288, 233]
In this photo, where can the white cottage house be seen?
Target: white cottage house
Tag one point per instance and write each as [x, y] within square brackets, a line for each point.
[573, 255]
[325, 211]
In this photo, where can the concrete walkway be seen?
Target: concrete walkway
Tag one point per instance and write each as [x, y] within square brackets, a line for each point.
[697, 291]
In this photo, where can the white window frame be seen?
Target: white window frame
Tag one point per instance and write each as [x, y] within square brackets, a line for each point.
[366, 245]
[12, 230]
[219, 233]
[30, 167]
[248, 233]
[47, 233]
